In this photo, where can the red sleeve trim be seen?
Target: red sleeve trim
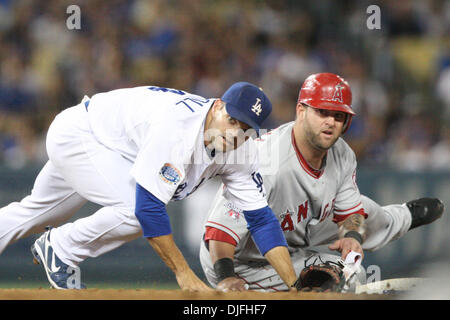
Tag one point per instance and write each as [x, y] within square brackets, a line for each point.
[225, 227]
[219, 235]
[348, 209]
[338, 218]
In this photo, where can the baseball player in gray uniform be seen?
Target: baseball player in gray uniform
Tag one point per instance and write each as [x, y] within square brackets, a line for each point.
[310, 183]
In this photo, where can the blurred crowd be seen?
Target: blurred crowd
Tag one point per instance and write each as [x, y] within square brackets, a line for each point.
[399, 74]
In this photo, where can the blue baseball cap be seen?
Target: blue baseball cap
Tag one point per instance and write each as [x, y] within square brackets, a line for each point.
[247, 103]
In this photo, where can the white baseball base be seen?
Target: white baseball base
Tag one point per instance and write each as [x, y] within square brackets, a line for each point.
[380, 287]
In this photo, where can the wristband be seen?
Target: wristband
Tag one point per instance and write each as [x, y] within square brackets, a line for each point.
[355, 235]
[224, 268]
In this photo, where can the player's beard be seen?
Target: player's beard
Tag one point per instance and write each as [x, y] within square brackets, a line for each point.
[316, 140]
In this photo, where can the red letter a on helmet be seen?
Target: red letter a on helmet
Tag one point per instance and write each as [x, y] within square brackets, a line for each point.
[337, 96]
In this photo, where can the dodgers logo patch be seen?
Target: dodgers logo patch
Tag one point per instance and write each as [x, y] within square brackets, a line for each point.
[170, 174]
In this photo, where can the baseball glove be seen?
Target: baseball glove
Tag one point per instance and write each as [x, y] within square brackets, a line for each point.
[321, 278]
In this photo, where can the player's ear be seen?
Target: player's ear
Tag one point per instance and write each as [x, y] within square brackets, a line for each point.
[299, 109]
[216, 106]
[220, 104]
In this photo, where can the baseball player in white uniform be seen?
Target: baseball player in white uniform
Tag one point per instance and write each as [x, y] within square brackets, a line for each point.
[132, 151]
[311, 187]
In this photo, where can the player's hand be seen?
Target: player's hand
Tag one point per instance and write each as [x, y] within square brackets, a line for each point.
[345, 245]
[188, 281]
[231, 284]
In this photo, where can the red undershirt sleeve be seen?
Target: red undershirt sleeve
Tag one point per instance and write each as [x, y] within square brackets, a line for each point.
[218, 235]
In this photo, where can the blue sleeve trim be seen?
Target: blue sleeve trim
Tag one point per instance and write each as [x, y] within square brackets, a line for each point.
[265, 229]
[151, 213]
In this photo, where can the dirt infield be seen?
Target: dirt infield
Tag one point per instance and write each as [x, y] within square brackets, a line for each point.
[149, 294]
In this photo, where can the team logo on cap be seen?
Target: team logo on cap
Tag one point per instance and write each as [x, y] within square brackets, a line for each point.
[169, 174]
[337, 96]
[257, 108]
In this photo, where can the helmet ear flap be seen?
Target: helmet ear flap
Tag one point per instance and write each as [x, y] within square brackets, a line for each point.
[348, 121]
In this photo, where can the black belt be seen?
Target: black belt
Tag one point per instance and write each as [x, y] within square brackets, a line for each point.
[86, 104]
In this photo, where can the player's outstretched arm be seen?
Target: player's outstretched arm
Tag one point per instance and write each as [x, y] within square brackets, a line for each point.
[168, 251]
[280, 260]
[270, 240]
[152, 215]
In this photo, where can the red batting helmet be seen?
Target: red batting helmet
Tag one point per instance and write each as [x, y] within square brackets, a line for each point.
[328, 91]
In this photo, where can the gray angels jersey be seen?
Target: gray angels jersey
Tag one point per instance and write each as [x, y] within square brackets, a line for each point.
[308, 203]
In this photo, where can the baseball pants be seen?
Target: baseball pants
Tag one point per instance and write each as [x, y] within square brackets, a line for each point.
[79, 169]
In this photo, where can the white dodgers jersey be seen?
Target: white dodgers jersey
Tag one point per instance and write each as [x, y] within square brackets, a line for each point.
[308, 203]
[161, 131]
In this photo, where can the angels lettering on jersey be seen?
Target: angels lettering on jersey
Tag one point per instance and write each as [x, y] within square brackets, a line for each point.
[290, 219]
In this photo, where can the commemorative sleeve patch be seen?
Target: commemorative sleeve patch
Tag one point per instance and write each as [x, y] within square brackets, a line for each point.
[169, 174]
